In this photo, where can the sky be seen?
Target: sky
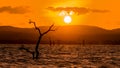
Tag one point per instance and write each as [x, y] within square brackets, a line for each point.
[101, 13]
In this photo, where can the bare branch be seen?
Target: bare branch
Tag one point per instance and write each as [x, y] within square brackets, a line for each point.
[50, 29]
[26, 49]
[35, 26]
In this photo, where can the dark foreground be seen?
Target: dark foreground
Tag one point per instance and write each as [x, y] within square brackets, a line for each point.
[61, 56]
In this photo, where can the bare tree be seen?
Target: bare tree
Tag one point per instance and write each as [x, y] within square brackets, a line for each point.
[36, 52]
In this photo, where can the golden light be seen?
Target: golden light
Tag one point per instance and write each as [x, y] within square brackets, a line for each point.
[63, 13]
[71, 13]
[67, 19]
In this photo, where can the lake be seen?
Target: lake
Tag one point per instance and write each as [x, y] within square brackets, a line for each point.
[60, 56]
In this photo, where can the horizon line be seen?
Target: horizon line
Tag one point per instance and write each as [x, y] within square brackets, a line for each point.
[61, 25]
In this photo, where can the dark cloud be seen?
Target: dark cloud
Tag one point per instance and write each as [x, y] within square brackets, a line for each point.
[77, 10]
[14, 10]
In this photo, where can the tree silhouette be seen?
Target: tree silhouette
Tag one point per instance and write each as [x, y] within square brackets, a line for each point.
[36, 52]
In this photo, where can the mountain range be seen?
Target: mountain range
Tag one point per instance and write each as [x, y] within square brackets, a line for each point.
[74, 34]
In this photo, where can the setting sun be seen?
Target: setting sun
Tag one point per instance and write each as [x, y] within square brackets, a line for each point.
[67, 19]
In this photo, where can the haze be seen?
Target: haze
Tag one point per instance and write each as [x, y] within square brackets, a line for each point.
[101, 13]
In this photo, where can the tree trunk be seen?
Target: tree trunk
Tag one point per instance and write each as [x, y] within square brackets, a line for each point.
[36, 53]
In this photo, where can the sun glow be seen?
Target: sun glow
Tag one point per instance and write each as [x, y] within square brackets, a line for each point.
[67, 19]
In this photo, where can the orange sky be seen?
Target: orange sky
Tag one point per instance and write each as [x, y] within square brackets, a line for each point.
[18, 12]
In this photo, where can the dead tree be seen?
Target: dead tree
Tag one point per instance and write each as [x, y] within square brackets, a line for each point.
[36, 53]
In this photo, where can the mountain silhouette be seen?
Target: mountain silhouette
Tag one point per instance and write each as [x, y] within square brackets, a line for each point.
[63, 34]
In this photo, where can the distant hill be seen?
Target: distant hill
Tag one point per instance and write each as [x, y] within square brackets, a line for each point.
[64, 34]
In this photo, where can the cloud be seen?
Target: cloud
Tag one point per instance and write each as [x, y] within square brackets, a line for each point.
[77, 10]
[14, 10]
